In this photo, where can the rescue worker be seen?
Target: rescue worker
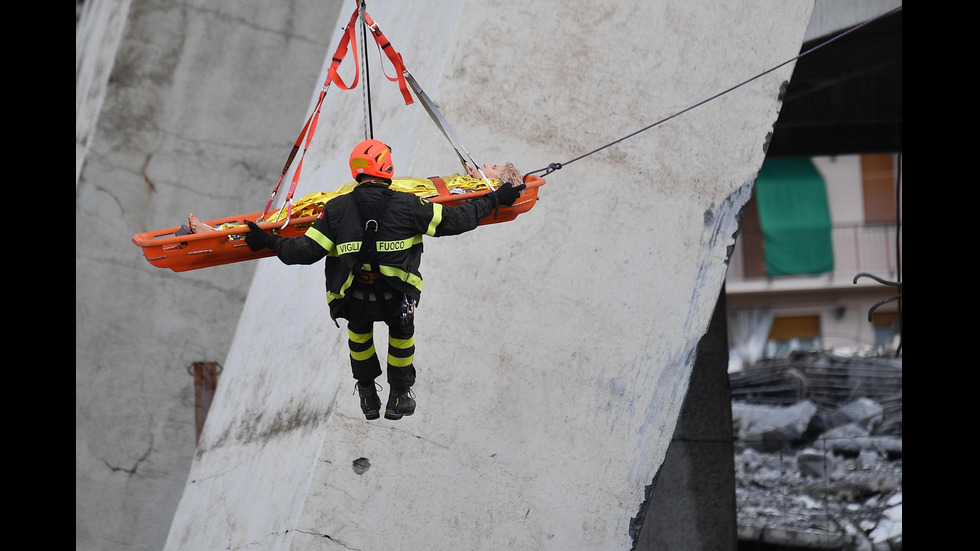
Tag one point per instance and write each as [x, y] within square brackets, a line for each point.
[372, 241]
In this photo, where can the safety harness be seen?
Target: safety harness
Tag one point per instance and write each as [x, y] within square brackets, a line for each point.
[371, 213]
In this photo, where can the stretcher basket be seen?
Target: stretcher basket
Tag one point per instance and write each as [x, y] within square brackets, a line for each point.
[180, 253]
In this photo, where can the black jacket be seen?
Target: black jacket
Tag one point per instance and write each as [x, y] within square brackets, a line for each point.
[338, 232]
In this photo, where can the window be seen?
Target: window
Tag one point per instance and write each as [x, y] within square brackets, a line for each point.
[886, 328]
[878, 182]
[791, 334]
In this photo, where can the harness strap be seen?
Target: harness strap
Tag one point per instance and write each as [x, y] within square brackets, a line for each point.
[371, 213]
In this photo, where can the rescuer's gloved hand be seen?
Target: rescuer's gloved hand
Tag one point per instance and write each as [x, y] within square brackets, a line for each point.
[258, 239]
[507, 194]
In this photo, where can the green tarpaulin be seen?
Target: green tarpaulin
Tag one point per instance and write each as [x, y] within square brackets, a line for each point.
[795, 218]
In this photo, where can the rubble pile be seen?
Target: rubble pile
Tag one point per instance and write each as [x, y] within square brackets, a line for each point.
[818, 453]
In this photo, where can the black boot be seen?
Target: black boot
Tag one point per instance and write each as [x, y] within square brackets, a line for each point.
[401, 402]
[370, 401]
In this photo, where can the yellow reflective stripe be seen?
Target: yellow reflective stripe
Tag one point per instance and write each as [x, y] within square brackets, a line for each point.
[331, 296]
[407, 277]
[436, 219]
[360, 338]
[401, 343]
[361, 356]
[399, 245]
[354, 247]
[320, 239]
[349, 248]
[400, 362]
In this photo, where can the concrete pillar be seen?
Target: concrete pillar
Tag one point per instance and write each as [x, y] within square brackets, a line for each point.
[691, 503]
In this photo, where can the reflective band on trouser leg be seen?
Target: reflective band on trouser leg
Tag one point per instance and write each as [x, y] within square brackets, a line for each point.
[401, 352]
[401, 355]
[363, 358]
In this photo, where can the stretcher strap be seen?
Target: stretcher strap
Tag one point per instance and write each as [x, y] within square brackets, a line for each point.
[440, 186]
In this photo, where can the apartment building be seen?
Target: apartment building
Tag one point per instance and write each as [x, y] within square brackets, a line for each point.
[817, 263]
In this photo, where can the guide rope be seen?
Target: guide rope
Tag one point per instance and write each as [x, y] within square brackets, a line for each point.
[558, 166]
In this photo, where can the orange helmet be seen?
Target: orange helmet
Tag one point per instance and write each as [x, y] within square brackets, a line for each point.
[373, 158]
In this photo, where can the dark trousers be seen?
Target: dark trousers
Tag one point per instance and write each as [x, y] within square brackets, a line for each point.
[361, 315]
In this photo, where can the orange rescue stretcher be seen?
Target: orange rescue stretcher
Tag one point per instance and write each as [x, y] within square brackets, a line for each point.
[188, 251]
[181, 253]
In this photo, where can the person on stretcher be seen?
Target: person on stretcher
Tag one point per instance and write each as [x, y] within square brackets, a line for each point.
[503, 173]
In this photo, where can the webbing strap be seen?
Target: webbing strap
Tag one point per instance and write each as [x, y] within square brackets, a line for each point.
[348, 41]
[384, 46]
[440, 186]
[443, 125]
[371, 213]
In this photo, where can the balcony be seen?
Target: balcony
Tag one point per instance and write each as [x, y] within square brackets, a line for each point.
[858, 248]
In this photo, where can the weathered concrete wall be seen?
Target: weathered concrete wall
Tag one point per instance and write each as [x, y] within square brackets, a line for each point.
[691, 504]
[179, 107]
[554, 351]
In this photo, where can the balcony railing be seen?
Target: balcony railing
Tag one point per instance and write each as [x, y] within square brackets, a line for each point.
[868, 248]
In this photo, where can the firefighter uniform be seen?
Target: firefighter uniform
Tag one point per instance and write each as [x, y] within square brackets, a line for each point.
[383, 291]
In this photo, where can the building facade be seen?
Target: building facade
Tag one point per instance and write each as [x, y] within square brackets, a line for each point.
[817, 264]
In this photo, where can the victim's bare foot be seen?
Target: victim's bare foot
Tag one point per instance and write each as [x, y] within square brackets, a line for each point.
[196, 225]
